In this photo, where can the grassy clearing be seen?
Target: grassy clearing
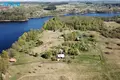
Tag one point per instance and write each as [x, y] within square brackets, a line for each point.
[112, 25]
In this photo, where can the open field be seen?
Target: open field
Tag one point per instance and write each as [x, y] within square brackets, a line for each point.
[55, 71]
[112, 25]
[50, 39]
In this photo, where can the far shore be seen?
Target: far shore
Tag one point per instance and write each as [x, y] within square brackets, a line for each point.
[42, 17]
[14, 20]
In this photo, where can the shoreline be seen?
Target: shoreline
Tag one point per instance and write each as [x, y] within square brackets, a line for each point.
[6, 21]
[1, 21]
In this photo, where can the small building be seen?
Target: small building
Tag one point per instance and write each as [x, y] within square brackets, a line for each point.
[61, 56]
[12, 60]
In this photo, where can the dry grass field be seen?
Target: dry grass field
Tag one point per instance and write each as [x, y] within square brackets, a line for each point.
[50, 39]
[112, 25]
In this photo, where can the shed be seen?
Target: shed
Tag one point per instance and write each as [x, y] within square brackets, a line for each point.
[12, 60]
[60, 55]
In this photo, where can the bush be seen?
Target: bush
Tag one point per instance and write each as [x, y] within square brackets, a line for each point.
[83, 46]
[46, 56]
[72, 57]
[63, 78]
[53, 59]
[35, 55]
[38, 43]
[70, 37]
[69, 61]
[92, 39]
[72, 51]
[91, 35]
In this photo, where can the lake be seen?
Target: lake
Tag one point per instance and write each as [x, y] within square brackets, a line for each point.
[11, 31]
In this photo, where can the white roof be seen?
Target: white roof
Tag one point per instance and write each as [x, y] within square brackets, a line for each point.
[60, 55]
[12, 60]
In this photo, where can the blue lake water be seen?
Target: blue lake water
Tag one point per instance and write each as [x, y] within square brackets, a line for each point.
[10, 32]
[96, 14]
[102, 14]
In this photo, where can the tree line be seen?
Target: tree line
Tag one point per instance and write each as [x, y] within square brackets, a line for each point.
[83, 23]
[23, 46]
[15, 14]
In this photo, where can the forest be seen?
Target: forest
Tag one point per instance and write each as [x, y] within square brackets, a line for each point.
[80, 23]
[13, 15]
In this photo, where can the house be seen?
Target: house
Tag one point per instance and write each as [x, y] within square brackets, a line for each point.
[12, 60]
[61, 56]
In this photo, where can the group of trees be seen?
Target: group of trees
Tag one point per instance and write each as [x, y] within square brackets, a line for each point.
[81, 41]
[53, 24]
[27, 41]
[4, 63]
[15, 14]
[76, 22]
[52, 54]
[50, 7]
[83, 23]
[23, 46]
[115, 18]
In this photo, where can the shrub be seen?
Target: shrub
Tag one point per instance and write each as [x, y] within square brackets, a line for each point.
[35, 55]
[92, 39]
[63, 78]
[69, 61]
[47, 55]
[53, 59]
[12, 52]
[91, 35]
[54, 52]
[72, 51]
[70, 37]
[84, 46]
[38, 43]
[72, 57]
